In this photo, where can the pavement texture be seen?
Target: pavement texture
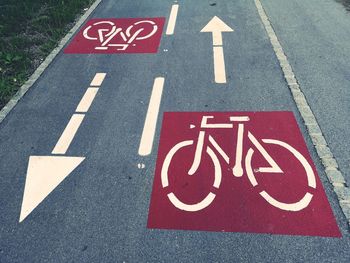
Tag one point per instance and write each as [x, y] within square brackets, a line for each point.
[99, 212]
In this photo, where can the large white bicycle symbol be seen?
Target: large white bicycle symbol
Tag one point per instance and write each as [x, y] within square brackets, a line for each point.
[105, 31]
[237, 170]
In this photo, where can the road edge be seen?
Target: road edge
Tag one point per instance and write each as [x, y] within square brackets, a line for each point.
[37, 73]
[329, 162]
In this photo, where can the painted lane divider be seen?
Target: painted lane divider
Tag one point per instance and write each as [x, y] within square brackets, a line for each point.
[149, 128]
[172, 19]
[45, 173]
[216, 26]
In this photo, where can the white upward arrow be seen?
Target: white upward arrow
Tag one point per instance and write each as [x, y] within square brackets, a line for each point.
[216, 26]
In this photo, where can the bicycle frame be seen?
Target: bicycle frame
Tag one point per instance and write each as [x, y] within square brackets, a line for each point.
[237, 169]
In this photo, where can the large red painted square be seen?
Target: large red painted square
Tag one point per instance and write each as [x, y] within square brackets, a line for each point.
[237, 172]
[118, 35]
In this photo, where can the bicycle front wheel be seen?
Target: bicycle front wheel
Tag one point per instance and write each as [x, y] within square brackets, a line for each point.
[141, 30]
[304, 201]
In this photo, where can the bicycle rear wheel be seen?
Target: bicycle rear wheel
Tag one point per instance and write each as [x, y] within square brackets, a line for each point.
[206, 201]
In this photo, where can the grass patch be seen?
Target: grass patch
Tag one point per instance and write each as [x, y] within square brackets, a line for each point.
[29, 30]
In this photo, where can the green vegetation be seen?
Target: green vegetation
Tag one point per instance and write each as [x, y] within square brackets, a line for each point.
[29, 30]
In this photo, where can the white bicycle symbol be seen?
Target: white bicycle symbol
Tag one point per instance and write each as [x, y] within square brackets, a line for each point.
[237, 170]
[140, 30]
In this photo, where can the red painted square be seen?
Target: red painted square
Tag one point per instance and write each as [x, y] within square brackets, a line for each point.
[277, 190]
[118, 35]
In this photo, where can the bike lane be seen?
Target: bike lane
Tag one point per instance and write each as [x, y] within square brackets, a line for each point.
[100, 211]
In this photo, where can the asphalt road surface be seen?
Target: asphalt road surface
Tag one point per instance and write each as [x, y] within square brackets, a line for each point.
[56, 206]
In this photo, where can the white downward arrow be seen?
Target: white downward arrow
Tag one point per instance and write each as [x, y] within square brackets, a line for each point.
[44, 174]
[216, 26]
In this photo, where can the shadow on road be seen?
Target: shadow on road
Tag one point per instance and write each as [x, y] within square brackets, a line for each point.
[345, 3]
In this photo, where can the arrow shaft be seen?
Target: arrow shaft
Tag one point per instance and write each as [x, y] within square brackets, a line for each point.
[217, 38]
[68, 134]
[219, 65]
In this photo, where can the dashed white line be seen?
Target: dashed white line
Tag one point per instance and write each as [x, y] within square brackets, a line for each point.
[151, 118]
[87, 99]
[98, 79]
[73, 125]
[172, 20]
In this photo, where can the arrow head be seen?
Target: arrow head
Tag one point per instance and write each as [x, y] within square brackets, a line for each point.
[44, 174]
[216, 25]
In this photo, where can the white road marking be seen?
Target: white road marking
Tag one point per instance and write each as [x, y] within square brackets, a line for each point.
[44, 174]
[98, 79]
[87, 99]
[68, 134]
[237, 170]
[297, 206]
[239, 118]
[192, 208]
[218, 175]
[198, 153]
[101, 48]
[311, 180]
[219, 149]
[151, 118]
[166, 163]
[141, 165]
[216, 26]
[274, 168]
[219, 65]
[172, 20]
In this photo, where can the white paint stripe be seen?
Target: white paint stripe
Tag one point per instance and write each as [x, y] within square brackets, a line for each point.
[217, 166]
[219, 65]
[297, 206]
[237, 170]
[87, 99]
[217, 38]
[151, 118]
[101, 48]
[172, 20]
[166, 163]
[249, 169]
[194, 207]
[219, 149]
[274, 168]
[98, 79]
[198, 153]
[239, 118]
[68, 134]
